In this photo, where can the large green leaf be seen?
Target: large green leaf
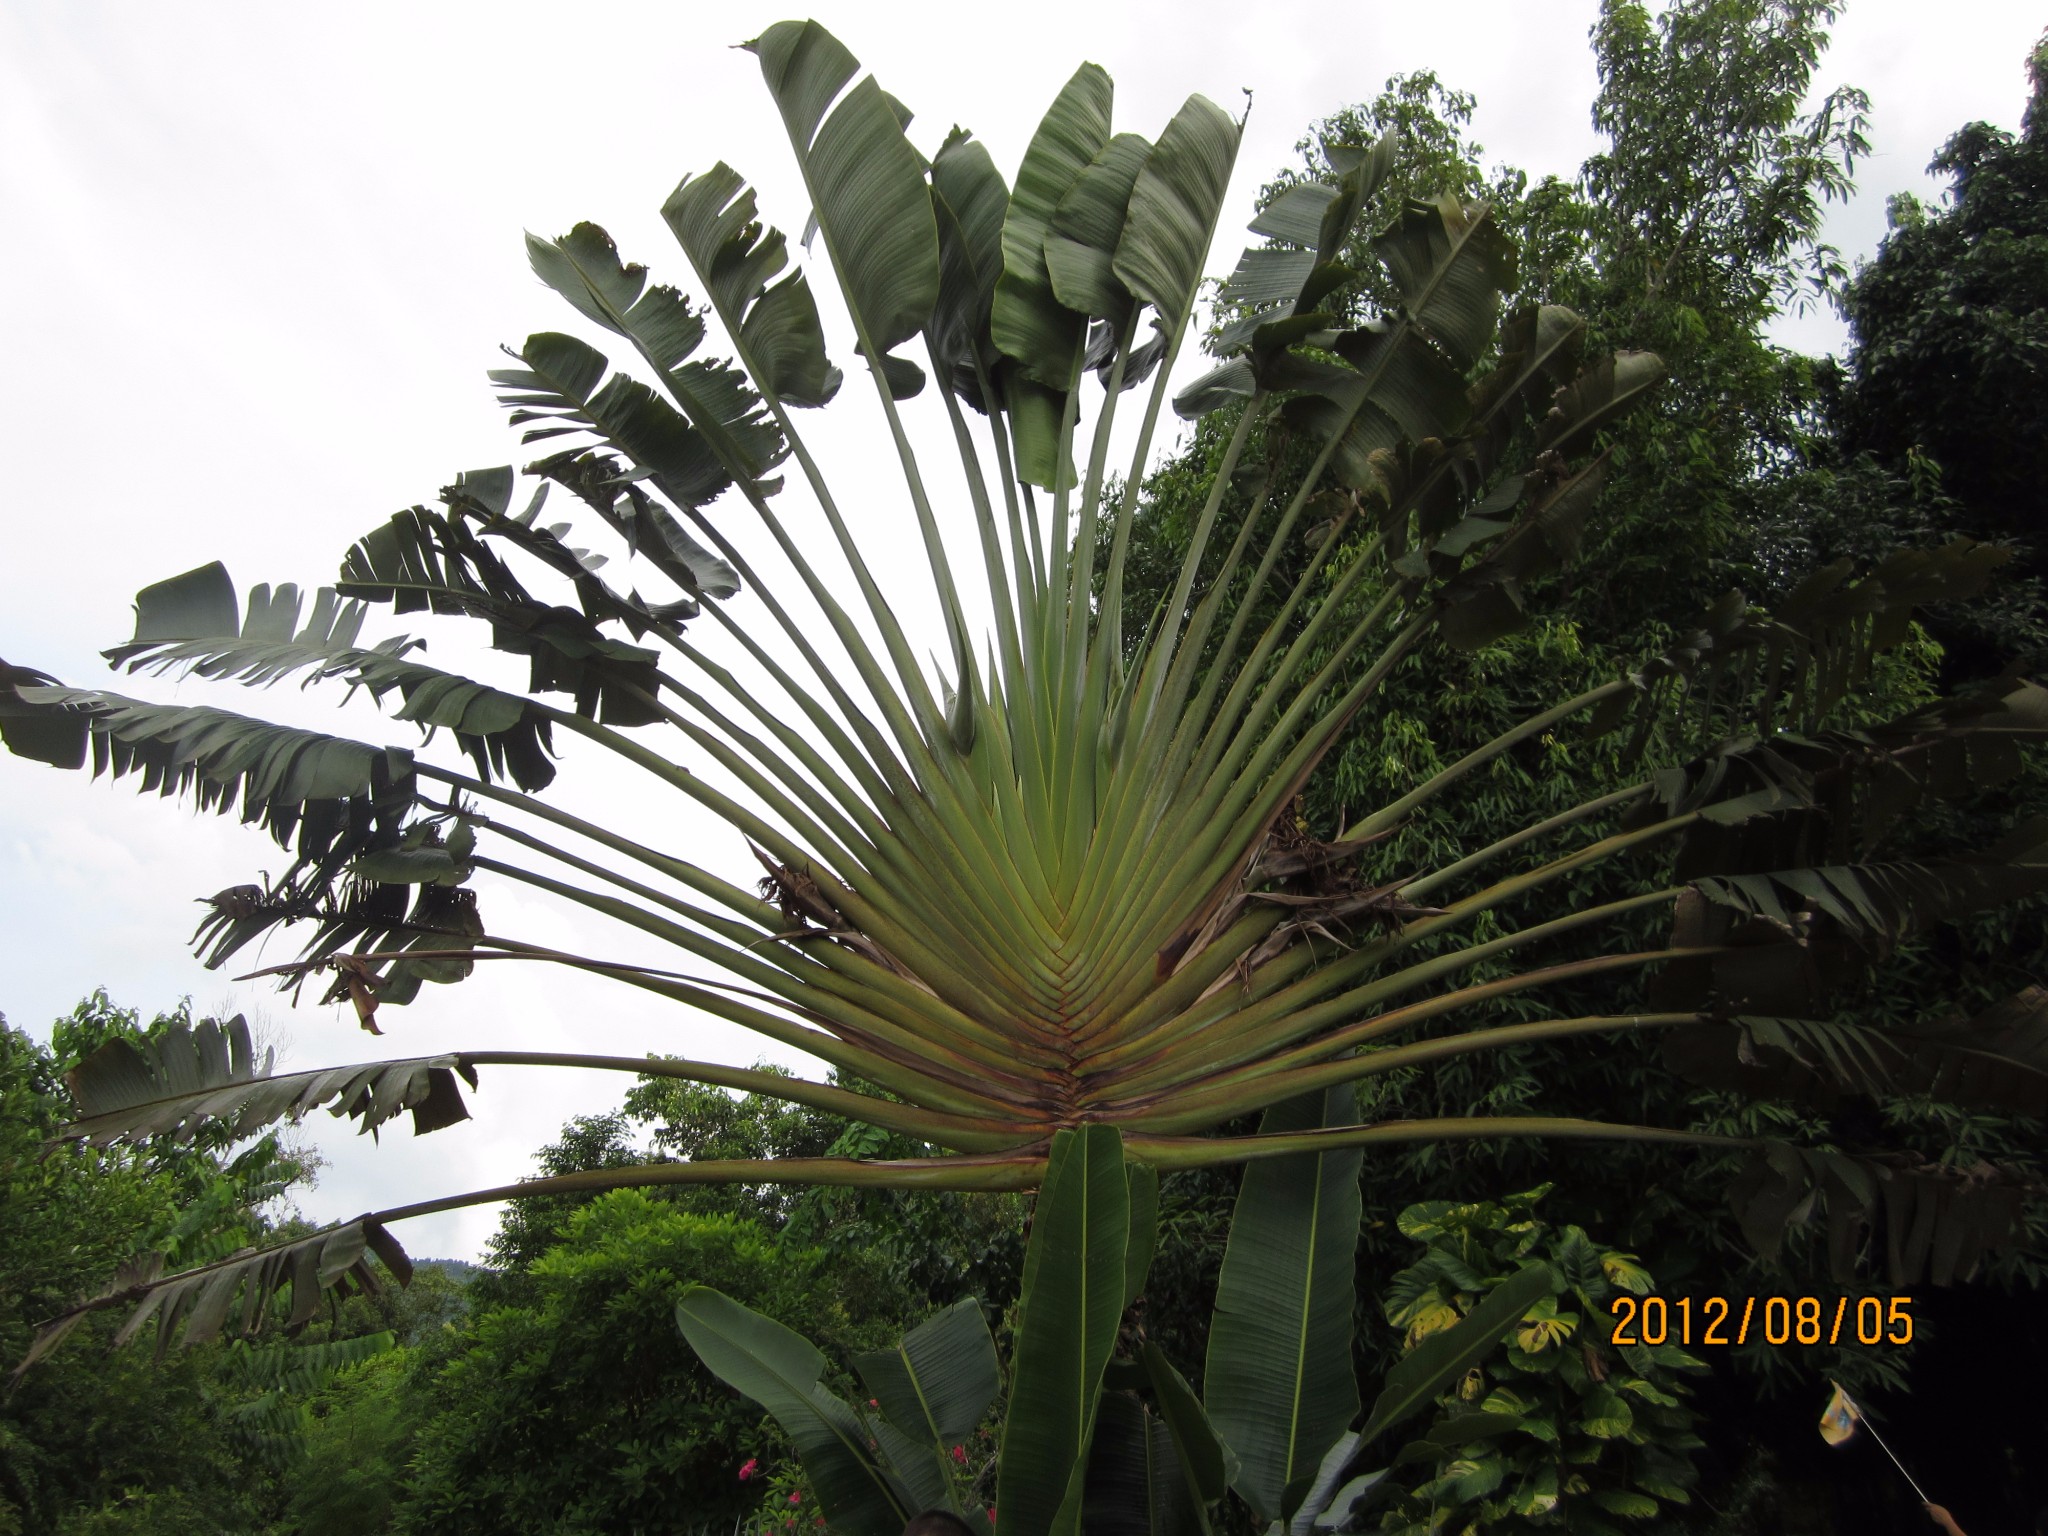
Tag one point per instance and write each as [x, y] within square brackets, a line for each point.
[1403, 379]
[1072, 1301]
[1135, 1484]
[1279, 1384]
[866, 182]
[363, 870]
[1327, 1504]
[498, 729]
[1028, 321]
[421, 559]
[1937, 1222]
[1034, 411]
[1608, 390]
[1441, 1358]
[39, 733]
[560, 390]
[1231, 382]
[728, 436]
[1144, 1187]
[1203, 1458]
[714, 220]
[1306, 227]
[939, 1380]
[1174, 208]
[228, 762]
[236, 1294]
[971, 201]
[782, 1372]
[200, 602]
[1081, 243]
[128, 1091]
[1450, 263]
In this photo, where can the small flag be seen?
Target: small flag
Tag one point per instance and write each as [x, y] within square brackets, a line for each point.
[1839, 1419]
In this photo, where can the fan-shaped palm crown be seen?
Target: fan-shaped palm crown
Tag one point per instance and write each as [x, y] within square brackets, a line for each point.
[1061, 881]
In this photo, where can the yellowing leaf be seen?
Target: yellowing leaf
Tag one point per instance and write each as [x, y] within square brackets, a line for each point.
[1430, 1317]
[1624, 1270]
[1544, 1326]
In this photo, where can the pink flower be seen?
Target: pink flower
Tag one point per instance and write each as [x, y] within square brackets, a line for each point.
[797, 1497]
[991, 1514]
[747, 1471]
[960, 1454]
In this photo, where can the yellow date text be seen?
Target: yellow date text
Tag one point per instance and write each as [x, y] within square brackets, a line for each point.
[1706, 1320]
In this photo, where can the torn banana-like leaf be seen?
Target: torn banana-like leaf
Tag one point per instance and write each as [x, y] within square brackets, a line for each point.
[190, 1076]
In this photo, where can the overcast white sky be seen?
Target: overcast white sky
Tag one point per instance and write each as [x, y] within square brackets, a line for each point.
[257, 258]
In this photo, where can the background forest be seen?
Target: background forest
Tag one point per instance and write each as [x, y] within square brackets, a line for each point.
[549, 1389]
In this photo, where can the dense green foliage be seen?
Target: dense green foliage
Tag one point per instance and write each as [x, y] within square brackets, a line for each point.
[112, 1428]
[111, 1440]
[561, 1392]
[1686, 235]
[1951, 329]
[582, 1410]
[575, 1318]
[1675, 527]
[1584, 1428]
[1942, 394]
[548, 1391]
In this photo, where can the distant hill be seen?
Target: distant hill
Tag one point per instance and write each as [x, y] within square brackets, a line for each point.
[461, 1271]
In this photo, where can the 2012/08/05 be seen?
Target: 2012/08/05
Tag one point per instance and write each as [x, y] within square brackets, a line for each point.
[1708, 1320]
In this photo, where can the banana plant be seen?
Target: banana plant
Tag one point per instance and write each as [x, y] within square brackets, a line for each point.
[1053, 879]
[1102, 1440]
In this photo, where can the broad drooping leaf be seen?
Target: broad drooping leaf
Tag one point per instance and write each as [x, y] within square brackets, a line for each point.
[1074, 1287]
[1922, 1220]
[501, 731]
[713, 218]
[1205, 1463]
[867, 188]
[1279, 1386]
[422, 559]
[244, 1295]
[1443, 1357]
[1135, 1485]
[560, 390]
[308, 789]
[939, 1380]
[781, 1371]
[1329, 1502]
[176, 1082]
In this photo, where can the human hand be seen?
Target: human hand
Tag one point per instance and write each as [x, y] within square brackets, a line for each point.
[1944, 1519]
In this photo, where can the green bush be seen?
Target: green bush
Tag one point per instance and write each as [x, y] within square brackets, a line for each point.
[583, 1409]
[1564, 1429]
